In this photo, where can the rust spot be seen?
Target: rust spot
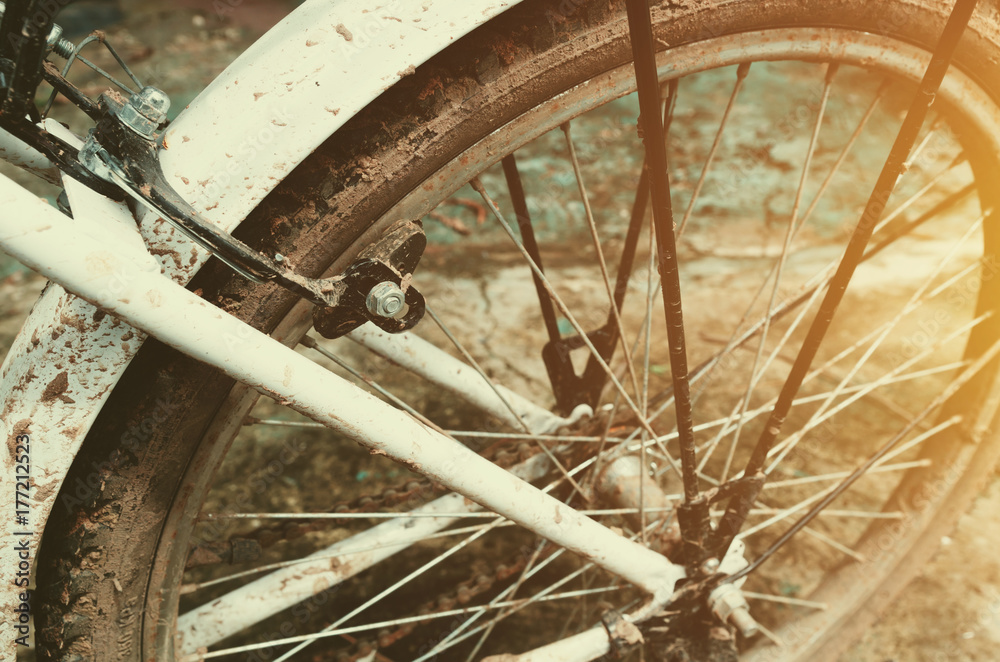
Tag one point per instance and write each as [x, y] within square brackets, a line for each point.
[505, 50]
[433, 85]
[344, 32]
[75, 322]
[12, 444]
[167, 252]
[258, 95]
[310, 43]
[57, 389]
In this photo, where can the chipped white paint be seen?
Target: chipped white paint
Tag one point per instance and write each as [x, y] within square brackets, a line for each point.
[324, 569]
[296, 86]
[65, 338]
[55, 246]
[13, 150]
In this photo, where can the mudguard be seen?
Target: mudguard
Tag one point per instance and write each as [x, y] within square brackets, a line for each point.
[235, 142]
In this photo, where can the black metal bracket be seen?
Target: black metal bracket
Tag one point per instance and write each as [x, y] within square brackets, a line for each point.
[393, 258]
[24, 32]
[131, 162]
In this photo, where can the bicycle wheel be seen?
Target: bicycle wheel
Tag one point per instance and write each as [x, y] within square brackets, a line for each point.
[771, 164]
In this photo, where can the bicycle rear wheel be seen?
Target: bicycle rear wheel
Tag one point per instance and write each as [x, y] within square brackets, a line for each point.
[551, 84]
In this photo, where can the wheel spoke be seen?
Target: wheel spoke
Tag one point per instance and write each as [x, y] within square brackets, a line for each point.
[779, 268]
[546, 591]
[835, 168]
[288, 586]
[478, 186]
[506, 401]
[788, 444]
[755, 321]
[613, 303]
[191, 588]
[781, 599]
[828, 496]
[808, 291]
[308, 639]
[741, 74]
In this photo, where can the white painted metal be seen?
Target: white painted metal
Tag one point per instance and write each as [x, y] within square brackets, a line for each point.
[16, 152]
[588, 645]
[301, 82]
[66, 338]
[64, 332]
[52, 244]
[284, 588]
[420, 357]
[52, 382]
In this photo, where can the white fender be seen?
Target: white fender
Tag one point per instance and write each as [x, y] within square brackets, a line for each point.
[240, 137]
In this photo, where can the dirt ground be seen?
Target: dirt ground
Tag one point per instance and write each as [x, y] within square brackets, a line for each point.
[950, 613]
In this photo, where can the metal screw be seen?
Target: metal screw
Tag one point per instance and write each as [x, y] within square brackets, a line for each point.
[63, 47]
[385, 299]
[55, 42]
[279, 258]
[145, 111]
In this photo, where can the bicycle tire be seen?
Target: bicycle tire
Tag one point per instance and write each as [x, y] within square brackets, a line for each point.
[103, 567]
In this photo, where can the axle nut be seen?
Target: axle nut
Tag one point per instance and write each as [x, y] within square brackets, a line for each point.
[729, 605]
[385, 299]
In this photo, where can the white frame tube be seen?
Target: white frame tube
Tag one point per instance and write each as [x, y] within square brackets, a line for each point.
[59, 248]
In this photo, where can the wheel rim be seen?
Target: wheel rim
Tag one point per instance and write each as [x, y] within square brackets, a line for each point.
[897, 58]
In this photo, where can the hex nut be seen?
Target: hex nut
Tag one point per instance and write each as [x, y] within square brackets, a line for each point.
[145, 111]
[385, 299]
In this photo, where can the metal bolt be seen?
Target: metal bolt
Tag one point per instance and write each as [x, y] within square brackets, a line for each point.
[58, 45]
[279, 258]
[385, 299]
[145, 111]
[729, 605]
[55, 42]
[744, 622]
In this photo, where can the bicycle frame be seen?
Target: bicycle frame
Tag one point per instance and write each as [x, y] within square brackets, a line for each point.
[242, 128]
[100, 258]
